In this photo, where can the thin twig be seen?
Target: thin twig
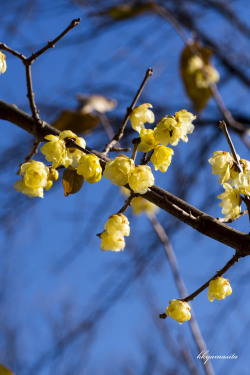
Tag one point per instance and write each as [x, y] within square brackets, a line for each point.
[223, 127]
[51, 44]
[120, 149]
[127, 203]
[135, 142]
[161, 233]
[221, 272]
[32, 152]
[120, 132]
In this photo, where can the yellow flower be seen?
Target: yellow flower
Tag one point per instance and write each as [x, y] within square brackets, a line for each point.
[178, 310]
[141, 178]
[196, 67]
[118, 223]
[219, 288]
[112, 241]
[167, 131]
[161, 158]
[90, 168]
[35, 177]
[3, 64]
[221, 163]
[140, 115]
[148, 141]
[184, 120]
[231, 201]
[55, 150]
[244, 178]
[118, 170]
[140, 205]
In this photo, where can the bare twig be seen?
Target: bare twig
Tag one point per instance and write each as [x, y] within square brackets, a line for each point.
[135, 142]
[223, 127]
[161, 233]
[120, 132]
[120, 149]
[127, 203]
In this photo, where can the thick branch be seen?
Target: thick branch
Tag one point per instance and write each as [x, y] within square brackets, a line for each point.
[185, 212]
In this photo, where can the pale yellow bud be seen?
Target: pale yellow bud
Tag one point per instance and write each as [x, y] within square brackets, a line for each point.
[178, 310]
[161, 158]
[219, 288]
[118, 170]
[140, 115]
[112, 241]
[118, 223]
[90, 168]
[141, 178]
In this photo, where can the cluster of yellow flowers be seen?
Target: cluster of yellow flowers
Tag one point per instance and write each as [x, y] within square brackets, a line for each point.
[116, 228]
[35, 177]
[3, 65]
[204, 74]
[233, 181]
[179, 310]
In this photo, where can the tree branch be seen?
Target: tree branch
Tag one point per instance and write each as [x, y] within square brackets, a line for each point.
[182, 210]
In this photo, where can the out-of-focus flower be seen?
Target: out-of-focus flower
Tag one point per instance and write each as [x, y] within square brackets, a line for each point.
[140, 115]
[112, 241]
[89, 167]
[219, 288]
[148, 141]
[231, 201]
[118, 223]
[178, 310]
[118, 170]
[141, 205]
[221, 163]
[141, 178]
[204, 74]
[3, 64]
[161, 158]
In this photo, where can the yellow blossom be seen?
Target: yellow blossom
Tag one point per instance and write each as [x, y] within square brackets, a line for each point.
[118, 223]
[141, 205]
[141, 178]
[55, 150]
[219, 288]
[184, 120]
[204, 74]
[3, 64]
[35, 177]
[112, 241]
[140, 115]
[148, 141]
[118, 170]
[90, 168]
[221, 163]
[178, 310]
[161, 158]
[167, 131]
[231, 201]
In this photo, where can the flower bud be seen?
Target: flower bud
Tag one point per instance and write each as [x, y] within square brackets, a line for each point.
[112, 241]
[118, 223]
[178, 310]
[161, 158]
[219, 288]
[90, 168]
[141, 178]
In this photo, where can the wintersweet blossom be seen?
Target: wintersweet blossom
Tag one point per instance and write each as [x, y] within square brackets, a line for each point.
[35, 177]
[231, 202]
[221, 163]
[178, 310]
[89, 167]
[3, 64]
[113, 241]
[148, 141]
[167, 131]
[219, 288]
[141, 178]
[161, 158]
[56, 152]
[184, 120]
[141, 205]
[140, 115]
[118, 223]
[118, 170]
[197, 67]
